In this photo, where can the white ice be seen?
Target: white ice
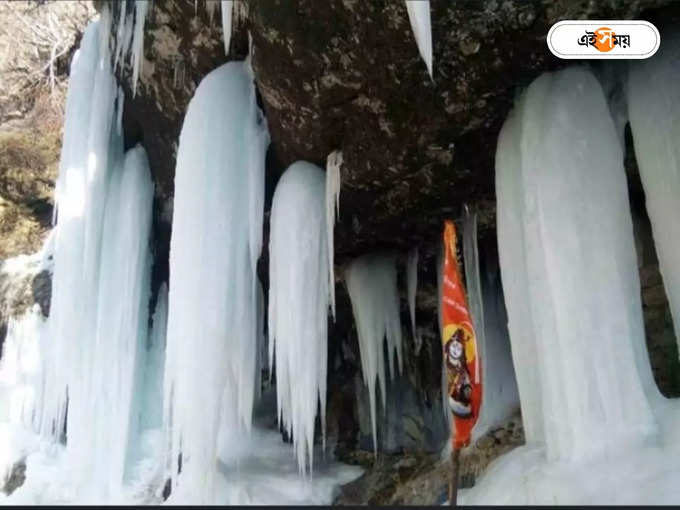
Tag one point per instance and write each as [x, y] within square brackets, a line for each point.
[654, 110]
[298, 303]
[129, 37]
[419, 16]
[137, 57]
[485, 301]
[216, 241]
[333, 183]
[372, 285]
[412, 287]
[227, 9]
[100, 283]
[562, 188]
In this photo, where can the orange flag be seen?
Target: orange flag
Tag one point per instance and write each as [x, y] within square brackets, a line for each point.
[463, 366]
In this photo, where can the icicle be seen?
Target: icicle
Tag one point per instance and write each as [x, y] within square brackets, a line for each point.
[216, 234]
[581, 275]
[123, 39]
[227, 9]
[419, 16]
[445, 398]
[472, 281]
[372, 286]
[261, 356]
[298, 303]
[141, 9]
[412, 286]
[654, 108]
[122, 319]
[333, 164]
[210, 7]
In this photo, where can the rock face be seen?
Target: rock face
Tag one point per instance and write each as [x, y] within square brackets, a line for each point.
[346, 74]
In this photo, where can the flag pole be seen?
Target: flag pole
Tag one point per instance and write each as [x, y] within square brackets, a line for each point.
[459, 342]
[453, 482]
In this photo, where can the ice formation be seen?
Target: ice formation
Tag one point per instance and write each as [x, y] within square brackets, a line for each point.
[100, 285]
[298, 303]
[412, 287]
[216, 241]
[419, 16]
[129, 37]
[568, 254]
[333, 164]
[500, 398]
[372, 286]
[654, 110]
[473, 284]
[510, 232]
[485, 299]
[227, 8]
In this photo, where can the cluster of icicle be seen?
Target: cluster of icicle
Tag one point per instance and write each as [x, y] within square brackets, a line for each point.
[372, 285]
[299, 298]
[100, 287]
[130, 36]
[213, 300]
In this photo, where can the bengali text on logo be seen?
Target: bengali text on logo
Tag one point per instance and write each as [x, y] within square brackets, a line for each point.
[593, 39]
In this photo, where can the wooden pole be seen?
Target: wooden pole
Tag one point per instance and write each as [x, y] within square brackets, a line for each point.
[453, 483]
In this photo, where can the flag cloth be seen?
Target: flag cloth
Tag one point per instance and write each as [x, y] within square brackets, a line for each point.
[463, 367]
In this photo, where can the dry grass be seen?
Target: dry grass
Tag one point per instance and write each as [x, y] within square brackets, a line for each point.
[29, 160]
[37, 39]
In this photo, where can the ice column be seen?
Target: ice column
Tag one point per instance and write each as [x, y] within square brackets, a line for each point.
[298, 303]
[216, 241]
[567, 252]
[99, 309]
[654, 110]
[372, 286]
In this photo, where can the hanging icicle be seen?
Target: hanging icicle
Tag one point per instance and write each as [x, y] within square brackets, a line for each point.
[419, 16]
[333, 183]
[298, 304]
[216, 240]
[227, 9]
[372, 286]
[412, 287]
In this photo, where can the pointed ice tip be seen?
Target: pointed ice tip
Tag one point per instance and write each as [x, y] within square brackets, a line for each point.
[419, 16]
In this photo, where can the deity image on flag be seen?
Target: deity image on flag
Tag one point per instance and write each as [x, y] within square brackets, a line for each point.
[459, 349]
[459, 343]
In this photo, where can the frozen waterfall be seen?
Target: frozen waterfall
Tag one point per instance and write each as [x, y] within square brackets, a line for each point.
[100, 289]
[299, 299]
[216, 241]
